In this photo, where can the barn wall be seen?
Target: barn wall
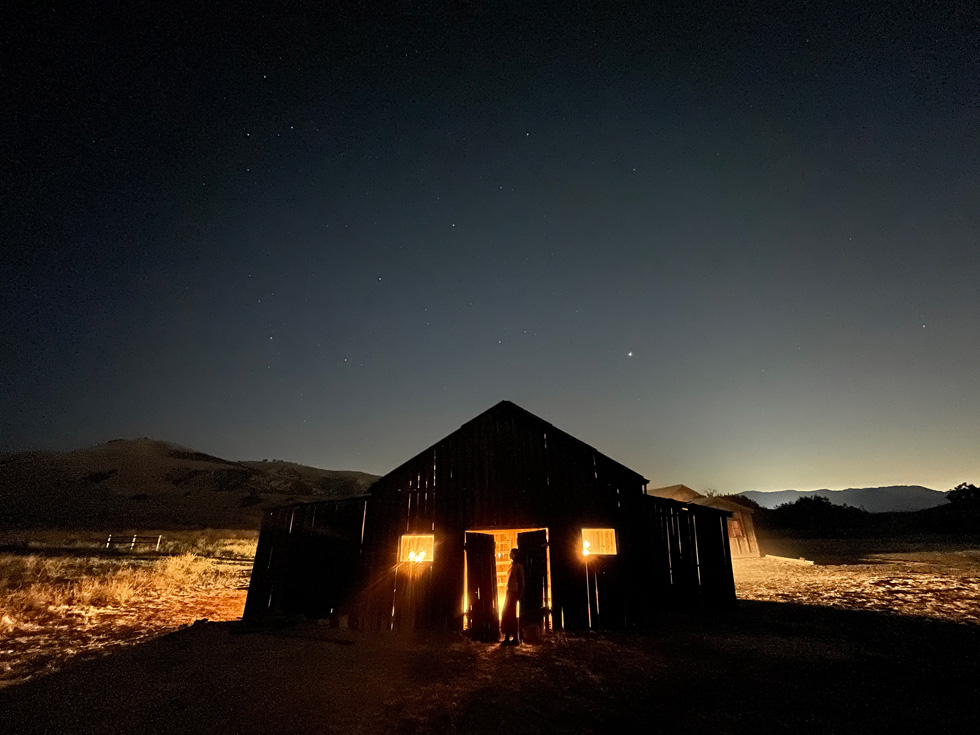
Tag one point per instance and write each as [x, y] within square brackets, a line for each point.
[682, 558]
[744, 544]
[307, 560]
[506, 468]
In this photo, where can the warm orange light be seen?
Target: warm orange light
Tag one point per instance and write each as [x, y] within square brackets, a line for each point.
[599, 541]
[416, 548]
[505, 539]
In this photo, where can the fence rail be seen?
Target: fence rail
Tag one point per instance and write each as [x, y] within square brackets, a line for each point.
[132, 541]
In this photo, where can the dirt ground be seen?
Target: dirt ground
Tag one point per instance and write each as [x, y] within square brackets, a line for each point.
[52, 635]
[889, 644]
[763, 667]
[83, 633]
[942, 585]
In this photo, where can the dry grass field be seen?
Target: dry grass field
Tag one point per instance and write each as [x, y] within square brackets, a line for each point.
[884, 642]
[215, 543]
[57, 606]
[74, 600]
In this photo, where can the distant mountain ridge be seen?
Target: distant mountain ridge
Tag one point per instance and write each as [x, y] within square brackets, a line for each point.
[146, 483]
[888, 499]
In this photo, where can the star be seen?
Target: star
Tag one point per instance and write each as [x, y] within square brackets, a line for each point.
[629, 354]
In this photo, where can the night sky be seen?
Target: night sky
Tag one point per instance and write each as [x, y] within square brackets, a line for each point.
[730, 246]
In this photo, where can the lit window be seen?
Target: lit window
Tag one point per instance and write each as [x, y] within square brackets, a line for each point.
[416, 548]
[734, 529]
[598, 541]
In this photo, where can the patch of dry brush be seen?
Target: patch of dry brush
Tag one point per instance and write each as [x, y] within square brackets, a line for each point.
[34, 590]
[54, 609]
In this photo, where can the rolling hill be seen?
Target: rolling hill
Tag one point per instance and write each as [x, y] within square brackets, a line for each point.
[145, 483]
[889, 499]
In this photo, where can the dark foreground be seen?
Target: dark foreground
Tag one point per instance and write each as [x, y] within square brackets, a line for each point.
[765, 667]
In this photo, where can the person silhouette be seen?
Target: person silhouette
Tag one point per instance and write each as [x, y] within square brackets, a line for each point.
[515, 588]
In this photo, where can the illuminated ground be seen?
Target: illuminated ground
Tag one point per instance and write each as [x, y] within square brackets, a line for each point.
[941, 585]
[765, 667]
[45, 648]
[885, 645]
[45, 643]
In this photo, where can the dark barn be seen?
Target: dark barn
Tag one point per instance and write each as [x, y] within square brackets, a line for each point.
[429, 547]
[741, 527]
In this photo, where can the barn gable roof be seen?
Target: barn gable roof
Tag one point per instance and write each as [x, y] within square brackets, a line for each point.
[507, 411]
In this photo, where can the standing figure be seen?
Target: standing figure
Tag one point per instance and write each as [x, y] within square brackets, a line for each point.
[515, 588]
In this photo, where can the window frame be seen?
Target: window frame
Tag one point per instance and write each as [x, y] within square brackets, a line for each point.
[409, 543]
[600, 546]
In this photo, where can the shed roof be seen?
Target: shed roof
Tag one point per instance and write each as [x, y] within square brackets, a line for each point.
[687, 495]
[676, 492]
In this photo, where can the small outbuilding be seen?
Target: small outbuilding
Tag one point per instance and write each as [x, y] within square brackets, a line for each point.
[741, 528]
[430, 545]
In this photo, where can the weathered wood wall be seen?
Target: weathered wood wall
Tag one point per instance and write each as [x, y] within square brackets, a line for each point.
[507, 469]
[742, 538]
[307, 561]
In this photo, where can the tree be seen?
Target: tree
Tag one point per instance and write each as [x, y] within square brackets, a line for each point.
[815, 515]
[964, 494]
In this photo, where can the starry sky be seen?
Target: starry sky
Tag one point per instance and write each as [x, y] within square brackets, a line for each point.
[732, 245]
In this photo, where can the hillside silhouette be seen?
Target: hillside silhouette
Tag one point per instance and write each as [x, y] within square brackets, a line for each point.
[887, 499]
[146, 483]
[813, 515]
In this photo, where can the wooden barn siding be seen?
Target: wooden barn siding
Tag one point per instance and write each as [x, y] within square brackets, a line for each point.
[306, 559]
[500, 470]
[716, 582]
[747, 544]
[686, 557]
[258, 602]
[658, 564]
[673, 554]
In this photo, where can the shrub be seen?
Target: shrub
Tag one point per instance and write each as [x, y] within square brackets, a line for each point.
[817, 516]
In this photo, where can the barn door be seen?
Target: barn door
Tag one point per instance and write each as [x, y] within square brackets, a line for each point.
[533, 546]
[481, 586]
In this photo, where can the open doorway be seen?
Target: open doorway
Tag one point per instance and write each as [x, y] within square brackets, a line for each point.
[485, 569]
